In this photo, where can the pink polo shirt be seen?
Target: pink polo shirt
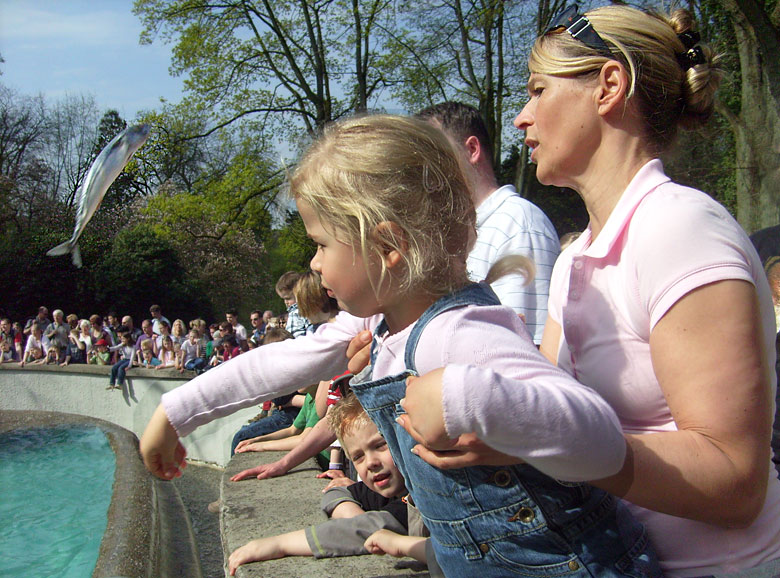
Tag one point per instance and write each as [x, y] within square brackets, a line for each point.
[661, 241]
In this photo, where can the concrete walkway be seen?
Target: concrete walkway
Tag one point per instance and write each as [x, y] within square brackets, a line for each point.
[258, 508]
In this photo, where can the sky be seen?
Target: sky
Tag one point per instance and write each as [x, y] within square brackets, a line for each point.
[74, 47]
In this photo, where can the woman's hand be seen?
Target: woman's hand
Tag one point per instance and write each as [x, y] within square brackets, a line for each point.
[162, 452]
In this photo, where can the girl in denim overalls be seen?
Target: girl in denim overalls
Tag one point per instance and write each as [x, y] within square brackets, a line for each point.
[388, 205]
[384, 199]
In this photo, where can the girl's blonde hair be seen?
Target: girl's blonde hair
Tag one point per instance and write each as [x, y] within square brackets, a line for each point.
[312, 298]
[648, 45]
[369, 170]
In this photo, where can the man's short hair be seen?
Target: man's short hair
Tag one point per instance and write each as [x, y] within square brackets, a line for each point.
[155, 309]
[461, 121]
[286, 283]
[233, 312]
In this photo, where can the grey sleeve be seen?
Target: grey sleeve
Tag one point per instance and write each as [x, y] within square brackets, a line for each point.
[335, 496]
[345, 536]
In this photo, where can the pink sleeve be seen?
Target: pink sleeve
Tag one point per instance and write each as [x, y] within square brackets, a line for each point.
[679, 250]
[515, 400]
[262, 374]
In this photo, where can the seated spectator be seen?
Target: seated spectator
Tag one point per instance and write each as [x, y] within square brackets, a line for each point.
[313, 301]
[111, 325]
[99, 332]
[179, 331]
[85, 335]
[356, 511]
[146, 345]
[295, 324]
[7, 353]
[58, 330]
[148, 360]
[178, 356]
[54, 355]
[34, 351]
[147, 333]
[230, 347]
[6, 330]
[193, 352]
[125, 351]
[76, 351]
[258, 329]
[41, 319]
[19, 340]
[100, 355]
[167, 354]
[135, 332]
[73, 321]
[156, 312]
[165, 331]
[238, 330]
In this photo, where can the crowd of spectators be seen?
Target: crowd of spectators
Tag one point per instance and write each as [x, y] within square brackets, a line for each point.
[117, 341]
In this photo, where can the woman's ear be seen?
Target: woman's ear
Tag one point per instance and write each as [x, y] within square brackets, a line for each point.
[613, 87]
[390, 237]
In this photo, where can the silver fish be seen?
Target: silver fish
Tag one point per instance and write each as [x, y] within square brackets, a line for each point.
[104, 171]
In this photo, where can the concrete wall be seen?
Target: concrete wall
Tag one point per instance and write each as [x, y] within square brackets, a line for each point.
[81, 390]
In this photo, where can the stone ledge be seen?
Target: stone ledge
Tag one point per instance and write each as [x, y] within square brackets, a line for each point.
[258, 508]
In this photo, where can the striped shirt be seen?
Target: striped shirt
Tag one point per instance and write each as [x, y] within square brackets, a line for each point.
[509, 224]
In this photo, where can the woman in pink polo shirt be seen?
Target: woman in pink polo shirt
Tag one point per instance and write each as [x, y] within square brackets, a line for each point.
[661, 305]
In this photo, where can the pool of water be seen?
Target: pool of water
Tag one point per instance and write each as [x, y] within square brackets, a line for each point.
[56, 489]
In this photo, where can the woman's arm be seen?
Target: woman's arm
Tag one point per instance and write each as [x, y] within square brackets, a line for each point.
[708, 358]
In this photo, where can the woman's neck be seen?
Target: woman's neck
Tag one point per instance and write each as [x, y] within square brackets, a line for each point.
[610, 173]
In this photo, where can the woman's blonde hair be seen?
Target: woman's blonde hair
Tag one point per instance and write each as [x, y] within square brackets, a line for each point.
[368, 170]
[312, 298]
[648, 45]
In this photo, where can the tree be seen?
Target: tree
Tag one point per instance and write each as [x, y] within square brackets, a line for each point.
[755, 117]
[282, 62]
[469, 50]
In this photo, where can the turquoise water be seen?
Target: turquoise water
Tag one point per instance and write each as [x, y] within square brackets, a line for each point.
[56, 488]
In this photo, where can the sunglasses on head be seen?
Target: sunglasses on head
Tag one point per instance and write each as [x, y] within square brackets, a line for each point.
[579, 27]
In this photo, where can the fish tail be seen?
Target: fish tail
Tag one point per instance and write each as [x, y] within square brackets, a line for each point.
[62, 249]
[76, 255]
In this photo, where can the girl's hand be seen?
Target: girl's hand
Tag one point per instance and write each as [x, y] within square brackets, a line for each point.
[162, 452]
[424, 419]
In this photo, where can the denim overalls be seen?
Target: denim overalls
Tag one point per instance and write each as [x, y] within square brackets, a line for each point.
[508, 520]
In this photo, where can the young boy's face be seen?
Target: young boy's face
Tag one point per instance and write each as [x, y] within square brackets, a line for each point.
[288, 298]
[102, 348]
[370, 455]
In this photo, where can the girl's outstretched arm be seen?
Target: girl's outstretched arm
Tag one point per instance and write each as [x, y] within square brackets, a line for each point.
[162, 452]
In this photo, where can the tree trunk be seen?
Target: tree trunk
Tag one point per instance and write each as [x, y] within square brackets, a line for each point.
[757, 127]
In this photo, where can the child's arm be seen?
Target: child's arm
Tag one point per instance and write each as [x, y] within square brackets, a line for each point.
[388, 542]
[280, 434]
[319, 439]
[275, 445]
[290, 544]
